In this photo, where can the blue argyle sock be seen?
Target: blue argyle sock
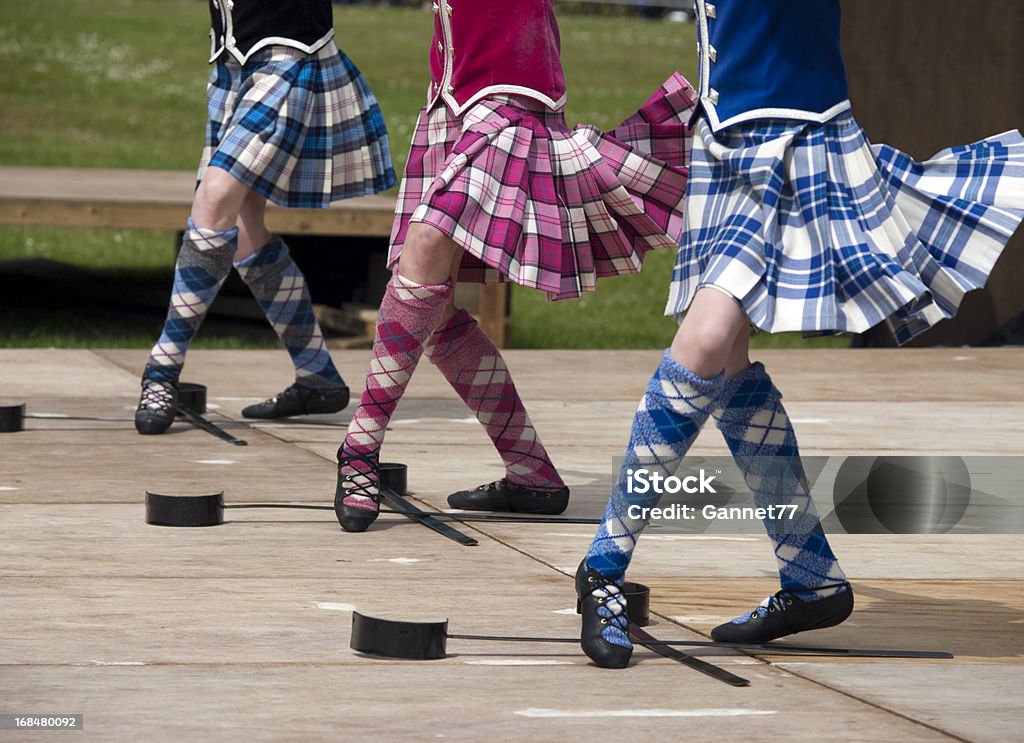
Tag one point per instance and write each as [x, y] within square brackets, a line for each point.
[279, 287]
[671, 414]
[756, 428]
[204, 261]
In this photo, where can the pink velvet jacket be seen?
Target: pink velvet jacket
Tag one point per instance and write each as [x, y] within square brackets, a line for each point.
[487, 47]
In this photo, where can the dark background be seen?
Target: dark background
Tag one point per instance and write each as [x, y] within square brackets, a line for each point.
[930, 74]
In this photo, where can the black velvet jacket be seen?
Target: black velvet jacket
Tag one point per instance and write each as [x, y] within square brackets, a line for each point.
[241, 27]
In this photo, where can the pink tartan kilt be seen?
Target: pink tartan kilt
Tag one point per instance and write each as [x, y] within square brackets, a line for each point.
[553, 208]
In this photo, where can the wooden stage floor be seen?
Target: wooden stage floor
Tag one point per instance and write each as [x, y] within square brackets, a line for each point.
[240, 632]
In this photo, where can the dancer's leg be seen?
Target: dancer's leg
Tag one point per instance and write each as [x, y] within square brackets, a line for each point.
[417, 300]
[677, 403]
[280, 289]
[204, 261]
[474, 367]
[758, 431]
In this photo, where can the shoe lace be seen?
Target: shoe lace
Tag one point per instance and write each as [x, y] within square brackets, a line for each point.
[611, 601]
[360, 474]
[156, 395]
[289, 391]
[504, 484]
[780, 601]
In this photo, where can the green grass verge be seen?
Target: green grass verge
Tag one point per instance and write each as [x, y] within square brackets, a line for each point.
[121, 83]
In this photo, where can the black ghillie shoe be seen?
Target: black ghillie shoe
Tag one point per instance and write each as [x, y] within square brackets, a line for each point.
[605, 633]
[299, 400]
[157, 406]
[502, 495]
[785, 614]
[362, 482]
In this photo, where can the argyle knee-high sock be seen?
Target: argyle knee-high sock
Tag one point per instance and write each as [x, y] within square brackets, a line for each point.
[756, 428]
[408, 314]
[279, 287]
[671, 414]
[476, 370]
[204, 261]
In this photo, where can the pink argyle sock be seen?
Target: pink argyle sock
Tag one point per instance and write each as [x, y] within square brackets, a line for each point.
[408, 313]
[475, 369]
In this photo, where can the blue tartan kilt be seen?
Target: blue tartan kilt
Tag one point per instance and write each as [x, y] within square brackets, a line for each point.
[302, 130]
[813, 229]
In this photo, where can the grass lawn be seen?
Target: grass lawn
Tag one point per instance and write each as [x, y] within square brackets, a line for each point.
[120, 83]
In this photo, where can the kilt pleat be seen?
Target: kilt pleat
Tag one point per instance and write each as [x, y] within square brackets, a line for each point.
[301, 130]
[813, 229]
[531, 200]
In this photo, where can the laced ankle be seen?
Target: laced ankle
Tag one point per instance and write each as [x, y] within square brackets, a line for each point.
[611, 601]
[156, 395]
[363, 474]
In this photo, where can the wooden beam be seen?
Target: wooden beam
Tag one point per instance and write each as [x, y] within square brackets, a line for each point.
[494, 313]
[159, 200]
[162, 200]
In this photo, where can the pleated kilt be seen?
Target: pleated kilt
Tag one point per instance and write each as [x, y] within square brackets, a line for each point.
[301, 130]
[813, 229]
[536, 202]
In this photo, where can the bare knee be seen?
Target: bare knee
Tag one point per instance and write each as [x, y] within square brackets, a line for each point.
[712, 335]
[702, 348]
[427, 254]
[218, 200]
